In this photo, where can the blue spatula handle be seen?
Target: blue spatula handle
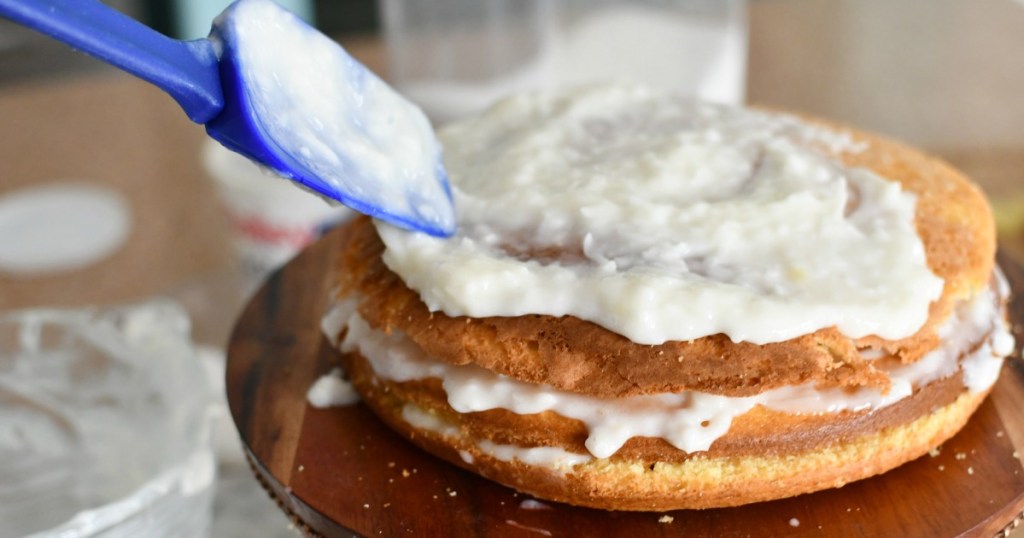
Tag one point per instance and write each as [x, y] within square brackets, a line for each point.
[187, 70]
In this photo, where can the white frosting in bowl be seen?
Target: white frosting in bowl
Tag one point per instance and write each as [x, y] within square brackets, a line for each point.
[677, 220]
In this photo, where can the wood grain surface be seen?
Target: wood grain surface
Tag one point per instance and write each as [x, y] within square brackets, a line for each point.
[341, 472]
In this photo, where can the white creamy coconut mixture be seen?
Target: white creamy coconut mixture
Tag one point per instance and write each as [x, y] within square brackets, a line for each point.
[375, 150]
[677, 219]
[688, 420]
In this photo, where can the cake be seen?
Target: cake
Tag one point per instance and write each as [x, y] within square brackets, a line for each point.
[653, 303]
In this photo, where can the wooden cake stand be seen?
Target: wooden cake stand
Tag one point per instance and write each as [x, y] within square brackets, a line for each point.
[340, 471]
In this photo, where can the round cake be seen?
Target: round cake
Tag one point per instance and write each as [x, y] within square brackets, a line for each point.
[653, 303]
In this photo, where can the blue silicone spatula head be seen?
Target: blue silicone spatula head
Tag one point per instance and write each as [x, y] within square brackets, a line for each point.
[276, 90]
[297, 102]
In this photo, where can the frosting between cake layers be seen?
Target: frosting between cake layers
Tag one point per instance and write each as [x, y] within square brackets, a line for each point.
[975, 340]
[662, 218]
[547, 456]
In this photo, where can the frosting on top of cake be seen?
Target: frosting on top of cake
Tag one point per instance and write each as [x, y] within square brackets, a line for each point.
[662, 218]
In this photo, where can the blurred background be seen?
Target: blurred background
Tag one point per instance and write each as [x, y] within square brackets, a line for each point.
[109, 195]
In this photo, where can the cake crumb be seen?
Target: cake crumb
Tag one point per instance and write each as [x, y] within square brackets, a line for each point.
[794, 522]
[934, 452]
[1016, 455]
[302, 468]
[666, 519]
[452, 493]
[366, 505]
[961, 456]
[387, 505]
[942, 467]
[391, 465]
[970, 470]
[999, 433]
[405, 473]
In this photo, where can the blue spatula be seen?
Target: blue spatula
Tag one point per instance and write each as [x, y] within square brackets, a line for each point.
[276, 90]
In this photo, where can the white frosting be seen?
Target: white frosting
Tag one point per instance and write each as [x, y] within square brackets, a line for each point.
[335, 319]
[424, 420]
[981, 370]
[324, 112]
[533, 504]
[547, 456]
[681, 220]
[689, 420]
[332, 390]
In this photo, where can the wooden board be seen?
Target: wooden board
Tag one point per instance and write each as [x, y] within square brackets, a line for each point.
[340, 471]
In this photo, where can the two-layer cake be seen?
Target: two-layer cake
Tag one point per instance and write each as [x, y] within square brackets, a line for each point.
[653, 303]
